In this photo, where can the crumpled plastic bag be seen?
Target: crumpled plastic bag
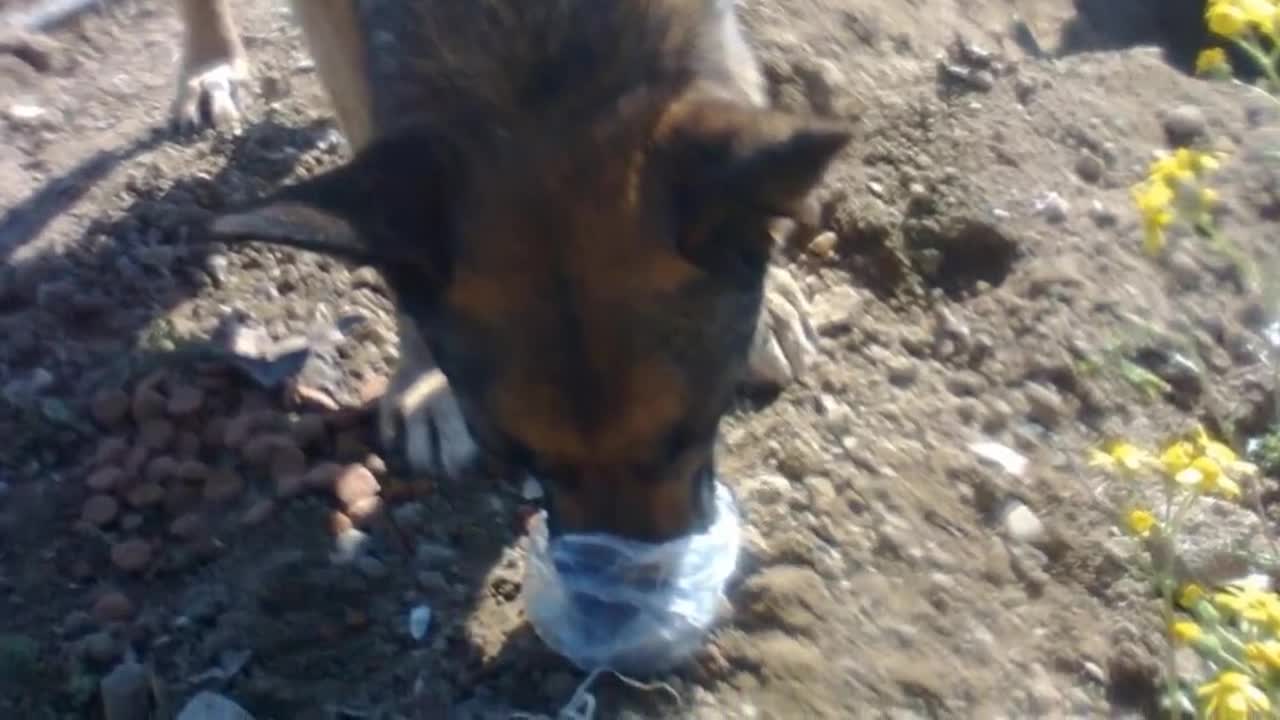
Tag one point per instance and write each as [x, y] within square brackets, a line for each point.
[607, 603]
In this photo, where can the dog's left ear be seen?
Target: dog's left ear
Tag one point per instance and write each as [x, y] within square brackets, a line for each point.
[388, 206]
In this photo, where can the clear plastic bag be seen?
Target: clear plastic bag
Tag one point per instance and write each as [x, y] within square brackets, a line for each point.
[632, 607]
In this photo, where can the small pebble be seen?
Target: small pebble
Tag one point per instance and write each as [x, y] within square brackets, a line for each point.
[258, 512]
[156, 434]
[131, 555]
[309, 430]
[1089, 168]
[146, 495]
[323, 476]
[147, 404]
[309, 398]
[238, 431]
[112, 607]
[1021, 523]
[190, 526]
[100, 510]
[371, 567]
[288, 486]
[110, 451]
[1047, 407]
[375, 464]
[193, 471]
[355, 483]
[223, 486]
[364, 511]
[101, 647]
[105, 480]
[185, 400]
[260, 450]
[1184, 125]
[162, 469]
[110, 408]
[131, 521]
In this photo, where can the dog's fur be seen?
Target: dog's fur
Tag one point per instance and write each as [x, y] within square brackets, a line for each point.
[570, 199]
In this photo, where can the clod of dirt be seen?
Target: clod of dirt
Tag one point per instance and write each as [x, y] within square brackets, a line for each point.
[789, 597]
[112, 606]
[110, 408]
[100, 510]
[105, 479]
[353, 484]
[131, 555]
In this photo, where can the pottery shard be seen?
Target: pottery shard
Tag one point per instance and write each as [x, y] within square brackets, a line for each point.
[131, 555]
[353, 484]
[100, 510]
[105, 479]
[110, 408]
[185, 400]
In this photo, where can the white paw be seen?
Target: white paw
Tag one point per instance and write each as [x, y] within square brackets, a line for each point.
[784, 340]
[210, 96]
[421, 418]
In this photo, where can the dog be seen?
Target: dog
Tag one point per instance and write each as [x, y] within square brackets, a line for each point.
[571, 203]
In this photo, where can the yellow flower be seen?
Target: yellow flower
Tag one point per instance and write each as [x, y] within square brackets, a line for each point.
[1223, 455]
[1177, 457]
[1189, 595]
[1140, 522]
[1249, 604]
[1232, 696]
[1121, 454]
[1226, 19]
[1212, 61]
[1206, 476]
[1264, 655]
[1185, 631]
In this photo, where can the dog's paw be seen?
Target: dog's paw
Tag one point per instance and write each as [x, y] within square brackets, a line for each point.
[421, 419]
[784, 339]
[210, 96]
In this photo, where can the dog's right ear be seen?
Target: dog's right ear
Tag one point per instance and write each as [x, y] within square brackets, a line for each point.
[389, 206]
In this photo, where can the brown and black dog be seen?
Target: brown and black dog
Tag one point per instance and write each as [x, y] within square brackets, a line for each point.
[570, 200]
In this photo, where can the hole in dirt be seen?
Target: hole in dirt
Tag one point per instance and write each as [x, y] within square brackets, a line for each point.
[955, 257]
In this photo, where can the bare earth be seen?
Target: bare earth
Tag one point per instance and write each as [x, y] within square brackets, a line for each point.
[984, 250]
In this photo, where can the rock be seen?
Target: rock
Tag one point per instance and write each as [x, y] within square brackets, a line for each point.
[353, 484]
[1053, 207]
[145, 496]
[161, 469]
[288, 486]
[323, 477]
[767, 489]
[349, 446]
[903, 371]
[364, 511]
[309, 431]
[258, 513]
[1184, 125]
[1046, 406]
[371, 567]
[185, 400]
[187, 445]
[375, 464]
[100, 510]
[156, 434]
[101, 648]
[189, 526]
[110, 451]
[260, 450]
[348, 546]
[105, 479]
[1089, 168]
[147, 403]
[223, 486]
[110, 408]
[238, 431]
[193, 471]
[288, 461]
[1021, 523]
[131, 521]
[531, 489]
[212, 706]
[131, 555]
[126, 692]
[112, 607]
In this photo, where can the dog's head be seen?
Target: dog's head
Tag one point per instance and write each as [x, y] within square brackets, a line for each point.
[589, 291]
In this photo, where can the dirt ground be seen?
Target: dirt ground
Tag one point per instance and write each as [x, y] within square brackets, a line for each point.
[984, 252]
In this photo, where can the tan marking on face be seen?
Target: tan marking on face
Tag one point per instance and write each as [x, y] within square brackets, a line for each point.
[641, 403]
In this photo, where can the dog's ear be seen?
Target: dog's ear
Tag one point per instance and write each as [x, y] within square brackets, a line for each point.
[726, 162]
[389, 206]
